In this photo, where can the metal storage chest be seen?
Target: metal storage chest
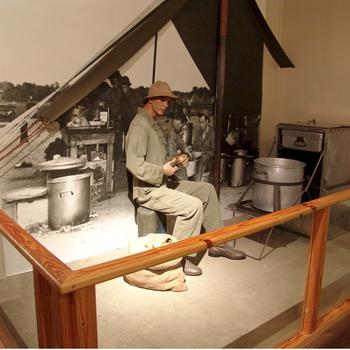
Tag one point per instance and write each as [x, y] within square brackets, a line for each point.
[324, 147]
[322, 144]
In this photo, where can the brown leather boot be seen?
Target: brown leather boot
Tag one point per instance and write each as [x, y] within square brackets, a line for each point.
[226, 251]
[191, 269]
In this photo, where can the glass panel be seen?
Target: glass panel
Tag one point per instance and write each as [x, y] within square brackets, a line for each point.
[247, 303]
[278, 280]
[17, 307]
[244, 304]
[336, 276]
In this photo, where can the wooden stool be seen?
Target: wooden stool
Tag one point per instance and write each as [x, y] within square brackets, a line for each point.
[150, 221]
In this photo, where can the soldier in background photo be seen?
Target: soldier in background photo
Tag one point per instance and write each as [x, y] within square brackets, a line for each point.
[204, 146]
[130, 100]
[105, 97]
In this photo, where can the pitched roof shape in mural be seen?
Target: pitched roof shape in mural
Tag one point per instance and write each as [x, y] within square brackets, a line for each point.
[193, 19]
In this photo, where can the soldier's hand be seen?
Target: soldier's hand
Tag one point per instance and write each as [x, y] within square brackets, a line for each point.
[169, 168]
[182, 159]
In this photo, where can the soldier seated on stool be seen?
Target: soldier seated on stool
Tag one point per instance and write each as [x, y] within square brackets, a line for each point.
[193, 203]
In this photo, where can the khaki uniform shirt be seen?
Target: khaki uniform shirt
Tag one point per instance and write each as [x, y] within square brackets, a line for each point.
[145, 148]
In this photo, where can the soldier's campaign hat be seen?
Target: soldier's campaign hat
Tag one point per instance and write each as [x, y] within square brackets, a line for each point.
[160, 89]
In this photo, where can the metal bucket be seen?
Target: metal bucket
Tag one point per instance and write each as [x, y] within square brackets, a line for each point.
[278, 183]
[238, 168]
[68, 200]
[191, 168]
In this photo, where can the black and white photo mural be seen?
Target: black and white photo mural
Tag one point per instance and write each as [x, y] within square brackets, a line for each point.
[83, 146]
[67, 97]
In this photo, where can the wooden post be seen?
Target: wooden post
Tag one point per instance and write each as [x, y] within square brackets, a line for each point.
[317, 251]
[65, 320]
[220, 89]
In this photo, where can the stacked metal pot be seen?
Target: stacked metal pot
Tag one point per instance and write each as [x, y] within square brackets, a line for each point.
[68, 191]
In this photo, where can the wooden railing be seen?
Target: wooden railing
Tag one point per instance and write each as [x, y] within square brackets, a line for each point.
[66, 301]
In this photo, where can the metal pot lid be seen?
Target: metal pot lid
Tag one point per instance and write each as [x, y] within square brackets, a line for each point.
[68, 178]
[61, 163]
[24, 193]
[279, 163]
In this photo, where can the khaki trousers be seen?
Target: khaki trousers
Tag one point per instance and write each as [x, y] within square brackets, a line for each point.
[193, 203]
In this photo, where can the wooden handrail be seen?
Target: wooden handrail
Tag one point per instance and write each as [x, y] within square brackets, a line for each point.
[67, 280]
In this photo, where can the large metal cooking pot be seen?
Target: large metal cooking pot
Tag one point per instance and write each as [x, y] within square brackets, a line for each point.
[68, 200]
[278, 183]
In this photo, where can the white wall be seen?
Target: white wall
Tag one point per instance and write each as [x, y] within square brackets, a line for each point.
[315, 34]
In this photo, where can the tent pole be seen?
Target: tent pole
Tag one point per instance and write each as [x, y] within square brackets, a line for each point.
[154, 57]
[220, 89]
